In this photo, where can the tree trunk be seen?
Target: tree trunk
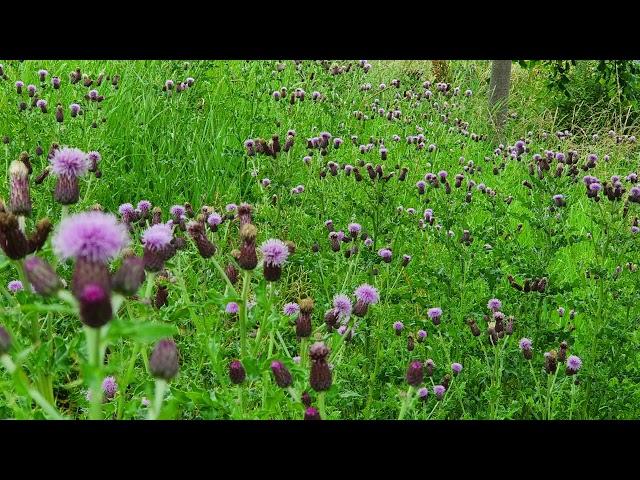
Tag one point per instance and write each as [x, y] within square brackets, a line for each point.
[499, 91]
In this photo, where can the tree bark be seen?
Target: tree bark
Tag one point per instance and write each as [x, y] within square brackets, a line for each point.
[499, 91]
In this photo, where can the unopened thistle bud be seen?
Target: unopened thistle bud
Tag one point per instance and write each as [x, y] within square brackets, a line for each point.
[95, 305]
[415, 374]
[248, 259]
[164, 360]
[232, 273]
[303, 322]
[20, 199]
[281, 374]
[42, 277]
[320, 377]
[237, 373]
[129, 277]
[205, 247]
[475, 330]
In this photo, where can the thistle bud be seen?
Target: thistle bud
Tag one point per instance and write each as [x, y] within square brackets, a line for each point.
[415, 374]
[161, 297]
[281, 374]
[129, 277]
[232, 273]
[163, 362]
[305, 398]
[20, 199]
[42, 277]
[475, 330]
[237, 373]
[5, 341]
[320, 377]
[248, 259]
[310, 413]
[303, 322]
[39, 236]
[95, 306]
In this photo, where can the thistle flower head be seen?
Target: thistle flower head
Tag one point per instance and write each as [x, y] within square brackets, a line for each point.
[290, 308]
[93, 236]
[232, 308]
[525, 344]
[275, 252]
[574, 363]
[398, 326]
[342, 304]
[177, 211]
[456, 368]
[144, 206]
[385, 254]
[434, 312]
[367, 294]
[109, 387]
[214, 219]
[494, 304]
[126, 209]
[70, 162]
[354, 228]
[15, 286]
[157, 236]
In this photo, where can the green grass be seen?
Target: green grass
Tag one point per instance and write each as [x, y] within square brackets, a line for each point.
[188, 147]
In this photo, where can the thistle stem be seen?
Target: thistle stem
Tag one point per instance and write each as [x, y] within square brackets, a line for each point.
[161, 388]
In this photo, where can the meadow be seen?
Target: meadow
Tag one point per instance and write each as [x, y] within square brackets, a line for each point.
[310, 240]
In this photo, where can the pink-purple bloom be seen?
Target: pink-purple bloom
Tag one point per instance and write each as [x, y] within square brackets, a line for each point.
[93, 236]
[574, 363]
[110, 387]
[232, 308]
[367, 294]
[525, 344]
[291, 308]
[275, 252]
[494, 304]
[214, 219]
[15, 286]
[456, 367]
[157, 237]
[144, 206]
[71, 162]
[434, 313]
[342, 304]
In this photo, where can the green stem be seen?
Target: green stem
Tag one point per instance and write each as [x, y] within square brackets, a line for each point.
[161, 388]
[35, 395]
[406, 403]
[246, 280]
[321, 406]
[223, 275]
[149, 288]
[93, 350]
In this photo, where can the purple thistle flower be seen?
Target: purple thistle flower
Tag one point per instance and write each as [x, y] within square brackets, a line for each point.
[354, 229]
[290, 309]
[93, 236]
[93, 95]
[398, 327]
[19, 85]
[423, 393]
[595, 187]
[342, 305]
[367, 294]
[109, 387]
[435, 313]
[525, 344]
[342, 329]
[561, 311]
[456, 368]
[42, 103]
[177, 211]
[145, 402]
[31, 89]
[439, 390]
[144, 206]
[368, 242]
[75, 109]
[275, 252]
[494, 304]
[15, 286]
[214, 219]
[231, 207]
[422, 335]
[635, 229]
[70, 162]
[385, 254]
[574, 363]
[126, 210]
[232, 308]
[296, 359]
[157, 237]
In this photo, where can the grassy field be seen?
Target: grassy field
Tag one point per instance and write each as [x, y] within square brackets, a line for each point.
[170, 147]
